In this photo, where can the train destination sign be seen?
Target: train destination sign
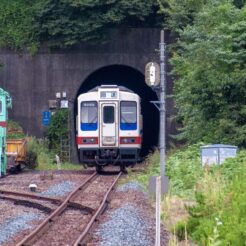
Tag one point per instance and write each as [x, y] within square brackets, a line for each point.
[108, 94]
[152, 74]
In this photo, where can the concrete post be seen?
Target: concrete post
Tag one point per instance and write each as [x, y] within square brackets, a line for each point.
[162, 106]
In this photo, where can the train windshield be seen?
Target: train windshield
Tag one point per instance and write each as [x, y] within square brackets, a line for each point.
[108, 114]
[89, 116]
[128, 112]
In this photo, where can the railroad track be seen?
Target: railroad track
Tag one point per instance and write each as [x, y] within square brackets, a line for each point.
[71, 221]
[31, 200]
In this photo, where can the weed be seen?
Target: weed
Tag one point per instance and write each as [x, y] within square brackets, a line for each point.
[180, 230]
[46, 157]
[151, 168]
[58, 131]
[214, 197]
[184, 170]
[219, 216]
[15, 131]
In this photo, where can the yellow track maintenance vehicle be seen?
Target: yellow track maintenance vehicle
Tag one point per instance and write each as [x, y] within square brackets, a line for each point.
[16, 151]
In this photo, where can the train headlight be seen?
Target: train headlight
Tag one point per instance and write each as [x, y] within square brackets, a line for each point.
[127, 140]
[87, 140]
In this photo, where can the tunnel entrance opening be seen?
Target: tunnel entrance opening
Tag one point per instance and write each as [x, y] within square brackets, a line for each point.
[134, 80]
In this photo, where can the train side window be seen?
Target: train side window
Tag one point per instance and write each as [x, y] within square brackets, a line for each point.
[89, 116]
[1, 107]
[128, 112]
[108, 114]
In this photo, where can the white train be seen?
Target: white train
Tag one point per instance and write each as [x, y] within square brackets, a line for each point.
[109, 126]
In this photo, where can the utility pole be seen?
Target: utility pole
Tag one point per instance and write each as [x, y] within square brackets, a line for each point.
[155, 77]
[162, 107]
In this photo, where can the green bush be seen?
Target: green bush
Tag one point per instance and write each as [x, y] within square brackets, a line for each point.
[31, 159]
[180, 230]
[150, 168]
[208, 61]
[58, 129]
[184, 169]
[45, 158]
[39, 148]
[219, 216]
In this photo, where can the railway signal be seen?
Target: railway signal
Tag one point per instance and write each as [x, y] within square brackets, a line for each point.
[152, 74]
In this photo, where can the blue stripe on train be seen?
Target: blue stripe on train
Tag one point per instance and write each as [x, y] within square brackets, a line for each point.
[128, 126]
[88, 126]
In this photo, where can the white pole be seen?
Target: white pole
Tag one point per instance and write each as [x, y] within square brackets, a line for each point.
[158, 211]
[58, 162]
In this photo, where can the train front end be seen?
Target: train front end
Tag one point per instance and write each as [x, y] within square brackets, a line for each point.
[109, 126]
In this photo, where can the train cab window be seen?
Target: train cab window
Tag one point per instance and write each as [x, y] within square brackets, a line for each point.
[89, 116]
[1, 107]
[128, 116]
[108, 114]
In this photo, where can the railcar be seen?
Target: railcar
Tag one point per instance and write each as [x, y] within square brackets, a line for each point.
[109, 126]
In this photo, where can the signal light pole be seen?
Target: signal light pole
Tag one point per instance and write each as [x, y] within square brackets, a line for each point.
[162, 107]
[155, 77]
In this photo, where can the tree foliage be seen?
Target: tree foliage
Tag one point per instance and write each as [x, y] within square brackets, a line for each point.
[209, 62]
[58, 129]
[67, 22]
[16, 24]
[180, 13]
[63, 23]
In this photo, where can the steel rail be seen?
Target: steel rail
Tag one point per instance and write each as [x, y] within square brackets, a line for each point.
[27, 203]
[102, 207]
[5, 193]
[32, 236]
[31, 196]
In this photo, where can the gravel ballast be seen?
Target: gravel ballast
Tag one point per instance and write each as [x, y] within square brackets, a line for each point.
[16, 224]
[59, 189]
[127, 227]
[130, 186]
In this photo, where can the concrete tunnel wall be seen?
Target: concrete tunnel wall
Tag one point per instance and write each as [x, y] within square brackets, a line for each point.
[33, 80]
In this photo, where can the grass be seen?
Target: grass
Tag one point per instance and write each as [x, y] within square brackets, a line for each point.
[219, 216]
[205, 205]
[150, 168]
[64, 166]
[172, 206]
[46, 158]
[15, 131]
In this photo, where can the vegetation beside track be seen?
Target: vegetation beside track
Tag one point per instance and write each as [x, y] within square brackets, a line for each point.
[15, 131]
[206, 205]
[208, 60]
[46, 158]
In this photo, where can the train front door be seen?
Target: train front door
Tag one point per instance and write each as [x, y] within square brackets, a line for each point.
[109, 125]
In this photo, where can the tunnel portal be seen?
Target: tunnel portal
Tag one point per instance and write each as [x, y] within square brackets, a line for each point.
[133, 80]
